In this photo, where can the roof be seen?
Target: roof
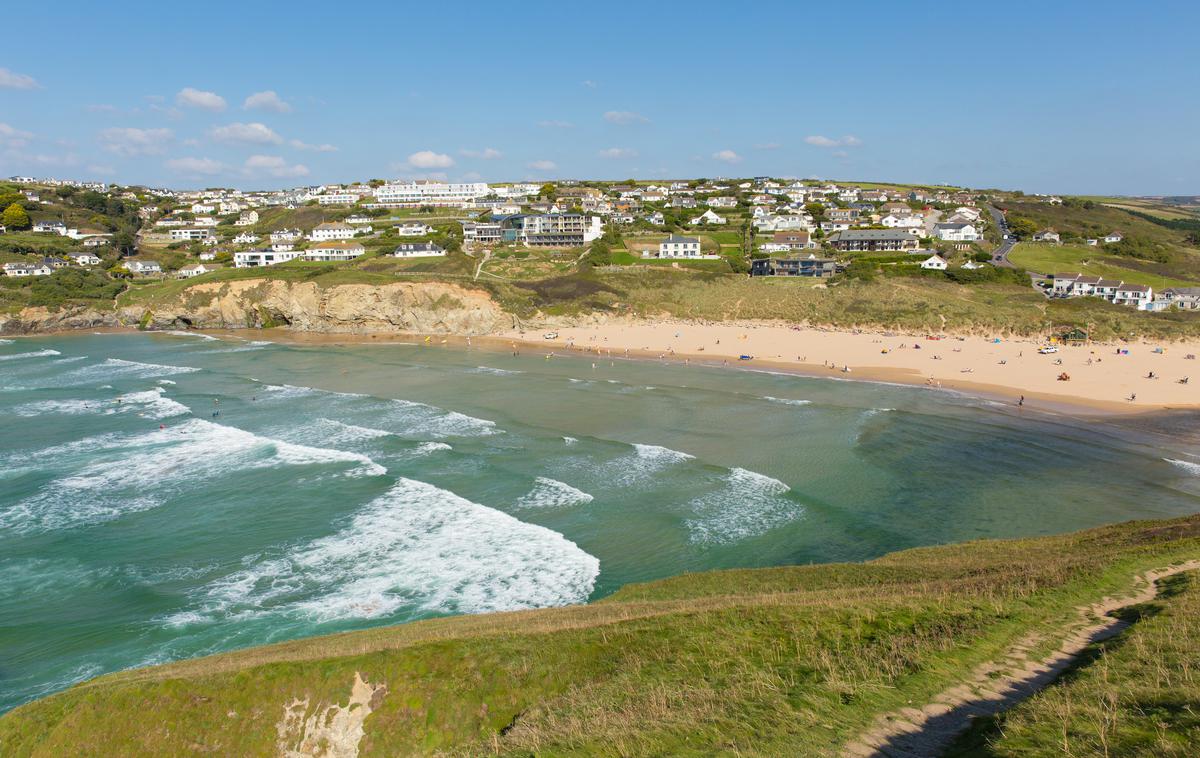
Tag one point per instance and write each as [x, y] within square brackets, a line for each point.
[1185, 291]
[1065, 277]
[873, 234]
[675, 238]
[953, 226]
[1109, 283]
[333, 225]
[337, 245]
[1133, 288]
[410, 246]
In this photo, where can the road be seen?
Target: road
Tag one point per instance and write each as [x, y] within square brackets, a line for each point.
[1000, 254]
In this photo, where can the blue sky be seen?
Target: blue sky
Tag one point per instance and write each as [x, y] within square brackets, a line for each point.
[1072, 97]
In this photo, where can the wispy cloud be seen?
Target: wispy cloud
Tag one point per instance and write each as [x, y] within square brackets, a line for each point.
[618, 152]
[589, 84]
[726, 156]
[253, 133]
[321, 148]
[13, 80]
[822, 141]
[266, 100]
[12, 137]
[195, 166]
[274, 166]
[430, 159]
[624, 118]
[487, 154]
[130, 141]
[189, 97]
[555, 124]
[543, 165]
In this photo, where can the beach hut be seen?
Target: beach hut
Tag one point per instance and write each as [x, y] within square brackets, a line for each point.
[1073, 337]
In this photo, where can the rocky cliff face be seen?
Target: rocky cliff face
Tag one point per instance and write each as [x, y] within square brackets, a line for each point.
[426, 307]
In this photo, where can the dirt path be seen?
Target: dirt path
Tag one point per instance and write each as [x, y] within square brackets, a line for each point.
[996, 686]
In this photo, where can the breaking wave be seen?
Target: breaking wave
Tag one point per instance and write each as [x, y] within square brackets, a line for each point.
[747, 505]
[34, 354]
[551, 493]
[1188, 466]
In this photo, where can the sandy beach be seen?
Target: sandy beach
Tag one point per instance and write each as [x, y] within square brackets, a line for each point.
[1104, 378]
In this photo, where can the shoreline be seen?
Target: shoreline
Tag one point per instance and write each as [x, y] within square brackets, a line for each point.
[1003, 370]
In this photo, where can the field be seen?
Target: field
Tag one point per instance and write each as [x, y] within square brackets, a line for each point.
[1081, 259]
[786, 661]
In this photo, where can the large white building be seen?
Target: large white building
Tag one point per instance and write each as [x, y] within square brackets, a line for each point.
[332, 230]
[334, 251]
[677, 247]
[252, 258]
[422, 192]
[189, 235]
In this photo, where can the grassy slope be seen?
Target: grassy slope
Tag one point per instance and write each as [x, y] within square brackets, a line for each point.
[1081, 259]
[1137, 695]
[791, 661]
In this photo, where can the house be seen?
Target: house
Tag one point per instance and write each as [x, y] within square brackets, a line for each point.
[934, 262]
[967, 212]
[254, 258]
[96, 241]
[1062, 283]
[482, 232]
[419, 250]
[830, 226]
[1184, 298]
[1112, 237]
[282, 247]
[842, 214]
[808, 266]
[286, 235]
[791, 240]
[1085, 286]
[413, 229]
[203, 208]
[248, 218]
[721, 201]
[708, 217]
[676, 246]
[338, 198]
[27, 269]
[84, 259]
[684, 201]
[1139, 296]
[50, 227]
[906, 221]
[55, 262]
[338, 250]
[656, 218]
[551, 229]
[956, 232]
[143, 268]
[196, 269]
[192, 235]
[245, 238]
[783, 223]
[971, 265]
[873, 240]
[331, 230]
[208, 256]
[1047, 235]
[1092, 242]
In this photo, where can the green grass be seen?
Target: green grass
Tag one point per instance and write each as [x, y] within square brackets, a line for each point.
[785, 661]
[1050, 259]
[1135, 695]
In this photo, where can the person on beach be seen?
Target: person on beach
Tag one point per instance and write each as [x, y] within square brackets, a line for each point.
[1021, 402]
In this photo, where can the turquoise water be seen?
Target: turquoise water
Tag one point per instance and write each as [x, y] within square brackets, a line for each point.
[171, 495]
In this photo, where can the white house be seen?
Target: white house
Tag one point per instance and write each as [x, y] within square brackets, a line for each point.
[196, 269]
[676, 247]
[190, 235]
[50, 227]
[331, 231]
[203, 208]
[84, 259]
[721, 201]
[337, 250]
[253, 258]
[338, 198]
[1047, 235]
[27, 269]
[708, 217]
[1113, 237]
[96, 241]
[956, 232]
[656, 218]
[413, 229]
[248, 218]
[245, 238]
[419, 250]
[205, 221]
[1138, 295]
[143, 267]
[934, 263]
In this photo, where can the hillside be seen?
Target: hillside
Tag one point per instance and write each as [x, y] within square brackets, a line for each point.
[786, 661]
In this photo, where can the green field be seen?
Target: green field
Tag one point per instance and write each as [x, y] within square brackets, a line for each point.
[1081, 259]
[785, 661]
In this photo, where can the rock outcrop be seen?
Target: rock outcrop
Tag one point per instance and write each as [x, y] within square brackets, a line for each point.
[38, 320]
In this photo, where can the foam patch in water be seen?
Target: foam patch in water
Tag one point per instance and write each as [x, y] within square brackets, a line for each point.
[748, 505]
[786, 400]
[1188, 466]
[414, 547]
[551, 493]
[437, 422]
[34, 354]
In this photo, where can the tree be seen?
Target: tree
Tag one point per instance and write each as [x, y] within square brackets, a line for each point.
[548, 190]
[15, 217]
[816, 210]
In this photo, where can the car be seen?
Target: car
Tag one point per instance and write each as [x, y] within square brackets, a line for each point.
[1047, 350]
[550, 336]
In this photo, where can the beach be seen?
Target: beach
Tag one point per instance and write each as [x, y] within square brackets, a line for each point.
[1133, 377]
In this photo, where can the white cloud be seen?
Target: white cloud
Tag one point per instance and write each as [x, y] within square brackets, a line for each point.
[488, 153]
[589, 84]
[430, 159]
[195, 166]
[821, 141]
[129, 141]
[194, 98]
[13, 80]
[624, 117]
[728, 156]
[322, 148]
[253, 133]
[619, 152]
[275, 166]
[267, 101]
[543, 165]
[555, 124]
[12, 137]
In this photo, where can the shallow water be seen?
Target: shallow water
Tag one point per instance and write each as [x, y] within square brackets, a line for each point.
[172, 495]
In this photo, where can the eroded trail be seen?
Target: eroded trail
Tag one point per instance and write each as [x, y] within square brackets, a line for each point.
[995, 686]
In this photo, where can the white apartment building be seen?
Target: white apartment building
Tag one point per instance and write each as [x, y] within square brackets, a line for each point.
[338, 198]
[252, 258]
[191, 235]
[331, 231]
[422, 192]
[334, 251]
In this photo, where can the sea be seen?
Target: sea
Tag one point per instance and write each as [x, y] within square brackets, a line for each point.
[170, 495]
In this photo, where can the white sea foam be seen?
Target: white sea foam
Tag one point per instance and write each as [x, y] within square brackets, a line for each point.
[339, 432]
[128, 473]
[5, 342]
[786, 400]
[201, 335]
[551, 493]
[166, 381]
[154, 403]
[425, 448]
[658, 454]
[1188, 466]
[117, 368]
[747, 505]
[438, 422]
[288, 391]
[495, 371]
[645, 461]
[150, 403]
[570, 440]
[414, 547]
[34, 354]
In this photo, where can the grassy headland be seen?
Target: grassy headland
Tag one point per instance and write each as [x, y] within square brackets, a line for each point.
[786, 661]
